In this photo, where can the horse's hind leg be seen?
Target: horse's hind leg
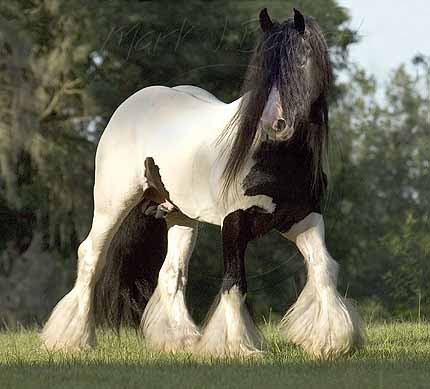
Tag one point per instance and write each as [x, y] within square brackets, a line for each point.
[166, 323]
[325, 324]
[72, 325]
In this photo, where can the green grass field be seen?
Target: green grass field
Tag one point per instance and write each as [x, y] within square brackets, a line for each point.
[396, 356]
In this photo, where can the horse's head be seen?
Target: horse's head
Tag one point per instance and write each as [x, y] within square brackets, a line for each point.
[285, 92]
[294, 73]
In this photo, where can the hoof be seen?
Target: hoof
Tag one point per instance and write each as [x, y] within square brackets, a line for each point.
[325, 330]
[230, 330]
[69, 329]
[162, 331]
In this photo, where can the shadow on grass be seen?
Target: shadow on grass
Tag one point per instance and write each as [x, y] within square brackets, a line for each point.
[165, 373]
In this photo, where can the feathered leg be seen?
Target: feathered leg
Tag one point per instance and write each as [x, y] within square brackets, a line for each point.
[166, 323]
[324, 323]
[230, 328]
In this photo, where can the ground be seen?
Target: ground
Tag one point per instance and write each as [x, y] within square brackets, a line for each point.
[396, 356]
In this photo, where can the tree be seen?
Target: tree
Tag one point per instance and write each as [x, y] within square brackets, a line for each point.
[381, 214]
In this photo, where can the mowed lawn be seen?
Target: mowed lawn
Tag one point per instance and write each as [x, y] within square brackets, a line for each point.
[396, 356]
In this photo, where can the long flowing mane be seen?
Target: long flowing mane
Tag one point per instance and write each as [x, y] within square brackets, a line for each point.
[275, 62]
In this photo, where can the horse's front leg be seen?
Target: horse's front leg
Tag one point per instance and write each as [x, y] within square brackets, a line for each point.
[166, 323]
[230, 328]
[325, 324]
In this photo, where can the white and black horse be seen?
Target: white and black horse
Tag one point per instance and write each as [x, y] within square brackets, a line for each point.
[173, 157]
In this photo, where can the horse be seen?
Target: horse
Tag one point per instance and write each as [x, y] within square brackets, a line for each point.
[172, 157]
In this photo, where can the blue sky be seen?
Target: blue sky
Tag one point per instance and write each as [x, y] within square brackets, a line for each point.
[392, 32]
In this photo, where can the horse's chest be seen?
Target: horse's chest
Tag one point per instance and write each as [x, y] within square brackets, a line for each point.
[284, 173]
[281, 173]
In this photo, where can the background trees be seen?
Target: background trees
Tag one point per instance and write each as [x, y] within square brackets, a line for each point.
[383, 226]
[66, 66]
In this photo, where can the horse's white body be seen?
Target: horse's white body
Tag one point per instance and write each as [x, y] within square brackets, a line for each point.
[179, 128]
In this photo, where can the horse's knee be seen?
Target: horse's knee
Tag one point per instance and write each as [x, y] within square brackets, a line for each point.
[84, 248]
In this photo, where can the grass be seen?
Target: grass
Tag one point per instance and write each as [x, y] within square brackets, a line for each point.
[396, 356]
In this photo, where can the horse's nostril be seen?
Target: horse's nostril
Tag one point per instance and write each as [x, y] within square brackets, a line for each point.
[280, 125]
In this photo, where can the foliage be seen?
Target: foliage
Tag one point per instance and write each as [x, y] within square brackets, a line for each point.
[380, 215]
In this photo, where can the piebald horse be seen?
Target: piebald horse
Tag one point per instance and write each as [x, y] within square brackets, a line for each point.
[170, 158]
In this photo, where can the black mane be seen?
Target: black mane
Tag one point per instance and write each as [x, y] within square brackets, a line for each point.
[276, 62]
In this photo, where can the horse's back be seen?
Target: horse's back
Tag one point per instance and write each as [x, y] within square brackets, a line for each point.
[158, 108]
[198, 93]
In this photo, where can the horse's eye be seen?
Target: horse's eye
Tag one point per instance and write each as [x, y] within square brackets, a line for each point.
[303, 58]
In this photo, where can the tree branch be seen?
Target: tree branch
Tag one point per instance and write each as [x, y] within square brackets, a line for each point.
[66, 88]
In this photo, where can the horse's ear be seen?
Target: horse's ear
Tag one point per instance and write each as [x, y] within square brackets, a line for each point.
[265, 21]
[299, 21]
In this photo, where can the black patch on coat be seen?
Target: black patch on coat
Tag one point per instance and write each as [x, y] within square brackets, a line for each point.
[284, 172]
[239, 228]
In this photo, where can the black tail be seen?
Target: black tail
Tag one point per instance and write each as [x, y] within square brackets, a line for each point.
[129, 277]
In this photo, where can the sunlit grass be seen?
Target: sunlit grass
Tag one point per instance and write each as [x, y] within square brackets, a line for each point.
[396, 355]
